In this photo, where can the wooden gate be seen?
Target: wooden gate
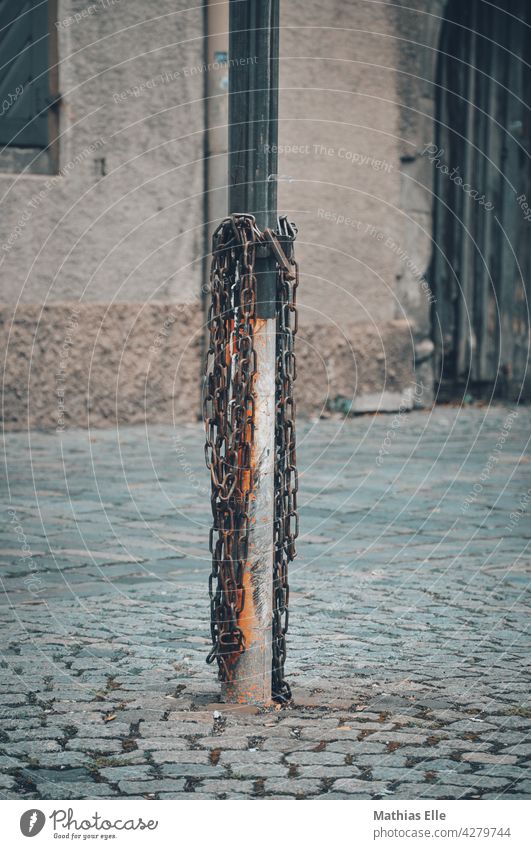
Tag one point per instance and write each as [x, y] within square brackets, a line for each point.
[482, 212]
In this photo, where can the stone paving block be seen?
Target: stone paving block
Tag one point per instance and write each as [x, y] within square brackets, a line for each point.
[457, 745]
[310, 758]
[190, 770]
[430, 764]
[505, 796]
[277, 798]
[167, 756]
[105, 746]
[518, 722]
[287, 745]
[426, 791]
[488, 758]
[468, 726]
[396, 773]
[195, 756]
[106, 729]
[330, 772]
[224, 741]
[11, 761]
[356, 748]
[516, 773]
[294, 719]
[114, 774]
[259, 770]
[195, 716]
[345, 796]
[228, 786]
[326, 735]
[240, 758]
[476, 780]
[395, 759]
[401, 737]
[30, 747]
[40, 733]
[175, 729]
[292, 786]
[70, 711]
[355, 785]
[61, 775]
[188, 796]
[154, 786]
[522, 786]
[264, 728]
[81, 790]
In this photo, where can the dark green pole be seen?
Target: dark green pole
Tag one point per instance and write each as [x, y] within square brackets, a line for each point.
[253, 128]
[253, 124]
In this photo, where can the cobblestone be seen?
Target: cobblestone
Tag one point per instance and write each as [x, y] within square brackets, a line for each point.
[131, 787]
[331, 772]
[293, 787]
[407, 647]
[259, 770]
[227, 786]
[190, 770]
[126, 773]
[487, 758]
[310, 758]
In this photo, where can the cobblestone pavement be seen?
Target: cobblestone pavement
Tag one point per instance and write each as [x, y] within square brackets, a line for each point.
[407, 646]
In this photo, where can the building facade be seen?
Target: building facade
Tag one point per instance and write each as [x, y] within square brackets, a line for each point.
[113, 175]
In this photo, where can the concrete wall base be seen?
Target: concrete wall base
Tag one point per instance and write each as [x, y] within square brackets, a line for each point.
[358, 368]
[96, 365]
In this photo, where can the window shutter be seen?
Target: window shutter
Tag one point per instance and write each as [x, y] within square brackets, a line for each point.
[24, 91]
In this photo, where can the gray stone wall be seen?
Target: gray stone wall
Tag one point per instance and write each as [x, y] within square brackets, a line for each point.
[417, 27]
[122, 224]
[122, 220]
[90, 365]
[357, 110]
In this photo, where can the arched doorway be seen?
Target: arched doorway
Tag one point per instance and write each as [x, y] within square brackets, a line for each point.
[481, 266]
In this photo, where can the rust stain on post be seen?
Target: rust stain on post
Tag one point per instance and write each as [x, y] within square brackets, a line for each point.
[251, 670]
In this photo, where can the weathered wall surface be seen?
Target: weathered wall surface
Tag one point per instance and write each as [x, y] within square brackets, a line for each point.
[356, 368]
[417, 29]
[121, 226]
[92, 365]
[351, 123]
[127, 228]
[100, 364]
[338, 129]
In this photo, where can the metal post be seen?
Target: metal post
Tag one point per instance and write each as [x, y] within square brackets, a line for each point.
[253, 132]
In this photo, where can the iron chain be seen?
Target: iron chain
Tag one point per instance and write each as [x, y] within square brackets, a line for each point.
[228, 409]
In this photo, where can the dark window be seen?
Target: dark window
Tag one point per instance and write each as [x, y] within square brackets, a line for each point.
[24, 74]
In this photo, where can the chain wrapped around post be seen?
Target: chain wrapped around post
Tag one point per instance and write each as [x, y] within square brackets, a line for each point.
[228, 407]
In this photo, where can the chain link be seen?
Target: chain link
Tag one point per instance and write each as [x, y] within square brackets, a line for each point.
[228, 410]
[286, 524]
